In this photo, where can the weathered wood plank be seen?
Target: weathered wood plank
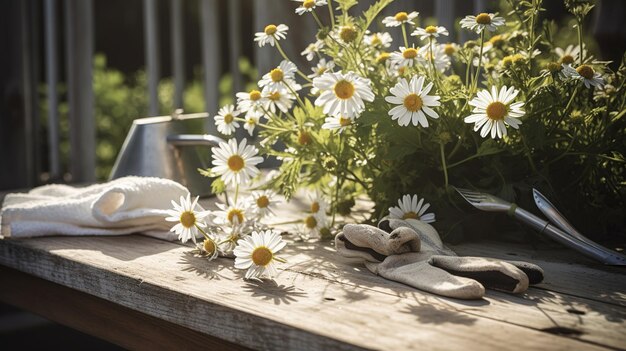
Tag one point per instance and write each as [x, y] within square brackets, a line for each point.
[318, 301]
[108, 320]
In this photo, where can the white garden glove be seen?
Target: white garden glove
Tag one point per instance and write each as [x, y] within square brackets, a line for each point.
[413, 254]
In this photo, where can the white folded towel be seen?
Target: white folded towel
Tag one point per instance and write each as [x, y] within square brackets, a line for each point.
[122, 206]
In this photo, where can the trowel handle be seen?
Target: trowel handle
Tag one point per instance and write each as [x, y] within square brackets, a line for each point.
[193, 140]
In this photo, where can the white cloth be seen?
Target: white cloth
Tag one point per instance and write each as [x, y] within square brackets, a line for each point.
[122, 206]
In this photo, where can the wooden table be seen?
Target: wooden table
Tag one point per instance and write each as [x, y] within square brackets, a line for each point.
[143, 293]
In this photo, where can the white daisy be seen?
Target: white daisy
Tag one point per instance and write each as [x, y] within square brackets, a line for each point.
[412, 207]
[430, 32]
[584, 73]
[413, 102]
[400, 18]
[570, 55]
[406, 57]
[209, 247]
[449, 48]
[278, 99]
[232, 215]
[322, 67]
[251, 123]
[236, 164]
[225, 120]
[440, 59]
[339, 123]
[281, 76]
[189, 220]
[318, 202]
[271, 34]
[263, 203]
[492, 111]
[251, 103]
[308, 5]
[312, 49]
[313, 224]
[343, 94]
[482, 21]
[378, 40]
[256, 253]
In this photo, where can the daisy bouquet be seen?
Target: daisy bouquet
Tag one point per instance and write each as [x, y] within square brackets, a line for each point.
[399, 122]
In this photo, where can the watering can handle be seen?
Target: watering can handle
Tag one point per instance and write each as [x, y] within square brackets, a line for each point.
[193, 140]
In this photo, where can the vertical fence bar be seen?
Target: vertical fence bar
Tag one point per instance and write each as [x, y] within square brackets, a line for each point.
[52, 81]
[444, 10]
[79, 39]
[234, 43]
[151, 36]
[178, 53]
[210, 57]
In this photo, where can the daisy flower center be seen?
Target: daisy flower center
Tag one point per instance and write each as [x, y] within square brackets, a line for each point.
[277, 75]
[401, 70]
[507, 61]
[497, 40]
[251, 121]
[344, 122]
[321, 70]
[315, 207]
[270, 29]
[235, 213]
[255, 95]
[413, 102]
[187, 219]
[209, 246]
[304, 138]
[430, 29]
[344, 89]
[567, 59]
[376, 40]
[310, 222]
[449, 49]
[553, 67]
[308, 4]
[496, 111]
[274, 96]
[347, 34]
[325, 232]
[235, 163]
[483, 18]
[409, 53]
[262, 256]
[401, 16]
[411, 215]
[585, 71]
[262, 201]
[382, 57]
[228, 118]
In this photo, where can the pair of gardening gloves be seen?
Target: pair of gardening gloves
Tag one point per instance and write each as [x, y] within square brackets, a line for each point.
[411, 252]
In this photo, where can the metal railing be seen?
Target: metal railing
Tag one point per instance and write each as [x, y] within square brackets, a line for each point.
[79, 43]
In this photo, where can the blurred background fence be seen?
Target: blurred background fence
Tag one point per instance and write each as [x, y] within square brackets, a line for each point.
[75, 73]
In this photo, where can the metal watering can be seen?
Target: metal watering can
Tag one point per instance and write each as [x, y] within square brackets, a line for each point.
[165, 147]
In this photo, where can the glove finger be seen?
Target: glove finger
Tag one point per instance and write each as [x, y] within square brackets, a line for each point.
[494, 274]
[348, 249]
[534, 272]
[413, 269]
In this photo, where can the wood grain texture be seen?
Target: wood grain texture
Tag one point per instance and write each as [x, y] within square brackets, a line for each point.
[104, 319]
[319, 300]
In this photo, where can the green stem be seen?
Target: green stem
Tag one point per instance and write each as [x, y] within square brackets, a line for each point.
[406, 42]
[580, 40]
[317, 19]
[443, 165]
[480, 62]
[236, 193]
[296, 95]
[206, 236]
[332, 15]
[279, 259]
